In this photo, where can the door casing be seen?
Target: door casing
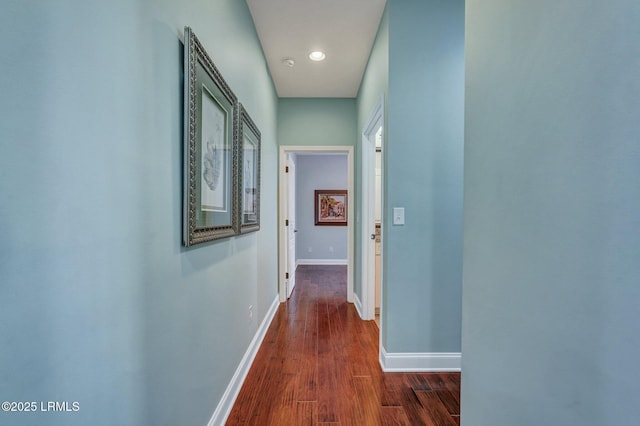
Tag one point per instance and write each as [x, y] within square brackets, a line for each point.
[367, 225]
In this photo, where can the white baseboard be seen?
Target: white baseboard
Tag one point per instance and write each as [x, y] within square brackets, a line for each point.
[322, 262]
[358, 304]
[417, 362]
[233, 389]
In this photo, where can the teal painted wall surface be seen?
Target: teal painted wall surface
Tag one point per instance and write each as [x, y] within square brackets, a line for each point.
[316, 121]
[99, 302]
[552, 214]
[375, 82]
[424, 167]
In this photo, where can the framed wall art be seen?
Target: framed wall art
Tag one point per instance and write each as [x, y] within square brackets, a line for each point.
[249, 173]
[330, 207]
[210, 209]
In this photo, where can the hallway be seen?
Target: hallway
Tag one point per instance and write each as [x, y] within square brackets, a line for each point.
[318, 364]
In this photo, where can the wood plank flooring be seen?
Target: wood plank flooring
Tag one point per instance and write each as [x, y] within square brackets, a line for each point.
[318, 365]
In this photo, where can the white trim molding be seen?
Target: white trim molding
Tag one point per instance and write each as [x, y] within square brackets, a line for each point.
[418, 362]
[368, 208]
[225, 405]
[357, 303]
[322, 262]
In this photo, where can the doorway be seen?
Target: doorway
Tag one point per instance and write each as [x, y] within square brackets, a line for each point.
[372, 214]
[287, 235]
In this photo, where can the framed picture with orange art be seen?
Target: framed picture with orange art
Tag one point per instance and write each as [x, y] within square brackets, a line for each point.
[330, 207]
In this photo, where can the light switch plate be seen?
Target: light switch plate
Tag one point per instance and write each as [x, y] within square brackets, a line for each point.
[398, 215]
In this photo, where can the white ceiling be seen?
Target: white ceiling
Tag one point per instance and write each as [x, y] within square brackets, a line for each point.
[344, 29]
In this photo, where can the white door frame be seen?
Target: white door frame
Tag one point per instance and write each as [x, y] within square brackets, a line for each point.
[367, 262]
[282, 211]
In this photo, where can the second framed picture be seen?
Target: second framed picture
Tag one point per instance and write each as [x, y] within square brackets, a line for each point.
[330, 207]
[249, 173]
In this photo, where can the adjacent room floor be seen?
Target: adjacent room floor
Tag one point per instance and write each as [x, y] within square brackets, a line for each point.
[318, 364]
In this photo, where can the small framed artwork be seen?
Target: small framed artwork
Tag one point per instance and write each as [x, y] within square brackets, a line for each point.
[330, 207]
[210, 207]
[249, 173]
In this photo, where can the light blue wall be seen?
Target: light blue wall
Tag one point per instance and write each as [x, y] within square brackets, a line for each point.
[374, 86]
[424, 166]
[316, 121]
[99, 303]
[375, 80]
[552, 214]
[319, 172]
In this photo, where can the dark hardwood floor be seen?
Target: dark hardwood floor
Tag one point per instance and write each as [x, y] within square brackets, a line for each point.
[318, 364]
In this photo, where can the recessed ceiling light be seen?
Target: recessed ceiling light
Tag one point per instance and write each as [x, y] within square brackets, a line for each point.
[317, 55]
[289, 62]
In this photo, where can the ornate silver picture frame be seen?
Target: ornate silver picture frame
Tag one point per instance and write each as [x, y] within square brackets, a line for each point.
[249, 173]
[211, 203]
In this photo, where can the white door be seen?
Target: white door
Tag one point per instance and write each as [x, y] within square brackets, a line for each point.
[378, 219]
[369, 223]
[291, 228]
